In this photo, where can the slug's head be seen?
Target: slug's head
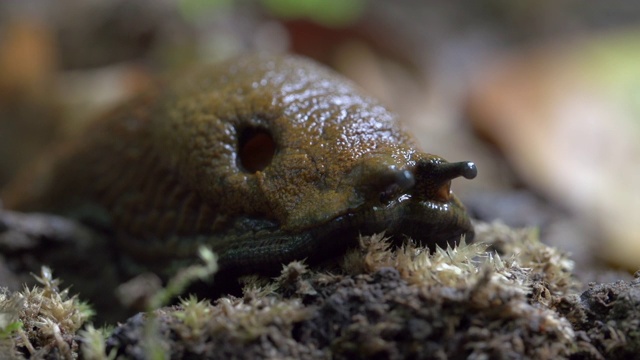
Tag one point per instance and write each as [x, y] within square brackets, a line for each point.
[414, 198]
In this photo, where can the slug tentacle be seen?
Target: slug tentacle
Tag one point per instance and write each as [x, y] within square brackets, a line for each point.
[434, 177]
[450, 171]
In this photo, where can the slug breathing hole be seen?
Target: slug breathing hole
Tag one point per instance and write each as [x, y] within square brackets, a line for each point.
[256, 149]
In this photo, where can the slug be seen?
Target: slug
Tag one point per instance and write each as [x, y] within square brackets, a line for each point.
[265, 159]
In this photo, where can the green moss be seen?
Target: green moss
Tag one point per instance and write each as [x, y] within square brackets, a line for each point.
[93, 343]
[186, 276]
[505, 295]
[40, 319]
[194, 315]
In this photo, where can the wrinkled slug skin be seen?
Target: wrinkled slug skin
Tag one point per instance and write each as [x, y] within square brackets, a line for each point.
[166, 172]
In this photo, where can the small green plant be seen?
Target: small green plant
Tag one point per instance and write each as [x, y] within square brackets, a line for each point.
[195, 315]
[94, 347]
[9, 330]
[41, 317]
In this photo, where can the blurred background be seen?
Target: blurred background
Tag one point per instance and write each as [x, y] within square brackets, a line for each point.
[543, 95]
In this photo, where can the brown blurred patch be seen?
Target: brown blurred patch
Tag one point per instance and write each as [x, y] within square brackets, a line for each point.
[28, 110]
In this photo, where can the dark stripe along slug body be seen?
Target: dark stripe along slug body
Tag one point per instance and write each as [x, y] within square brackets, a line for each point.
[264, 158]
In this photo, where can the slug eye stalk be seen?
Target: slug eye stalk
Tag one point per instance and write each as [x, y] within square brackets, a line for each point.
[433, 178]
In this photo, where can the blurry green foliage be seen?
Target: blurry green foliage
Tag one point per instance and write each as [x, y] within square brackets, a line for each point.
[8, 330]
[333, 13]
[191, 9]
[611, 63]
[326, 12]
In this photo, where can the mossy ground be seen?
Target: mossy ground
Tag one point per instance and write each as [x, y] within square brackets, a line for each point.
[504, 296]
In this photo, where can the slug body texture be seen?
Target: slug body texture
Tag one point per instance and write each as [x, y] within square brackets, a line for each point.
[264, 158]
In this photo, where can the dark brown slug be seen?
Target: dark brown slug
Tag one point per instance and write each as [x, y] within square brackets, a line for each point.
[266, 159]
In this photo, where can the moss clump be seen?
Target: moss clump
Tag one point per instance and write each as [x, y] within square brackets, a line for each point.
[94, 345]
[505, 296]
[49, 319]
[456, 302]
